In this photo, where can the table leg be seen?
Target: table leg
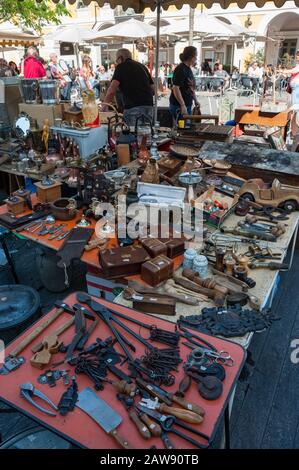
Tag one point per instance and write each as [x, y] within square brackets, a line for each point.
[226, 427]
[10, 261]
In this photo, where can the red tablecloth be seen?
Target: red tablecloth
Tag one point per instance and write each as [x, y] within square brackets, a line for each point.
[80, 428]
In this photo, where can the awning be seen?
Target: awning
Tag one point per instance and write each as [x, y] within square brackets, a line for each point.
[140, 5]
[10, 38]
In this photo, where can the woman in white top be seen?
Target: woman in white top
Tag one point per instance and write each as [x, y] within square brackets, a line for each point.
[294, 89]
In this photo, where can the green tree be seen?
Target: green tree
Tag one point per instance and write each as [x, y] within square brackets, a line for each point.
[32, 14]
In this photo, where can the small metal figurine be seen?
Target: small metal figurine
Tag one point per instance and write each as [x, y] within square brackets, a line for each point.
[45, 135]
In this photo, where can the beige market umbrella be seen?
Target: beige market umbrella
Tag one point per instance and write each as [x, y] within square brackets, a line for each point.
[14, 38]
[130, 29]
[140, 5]
[73, 34]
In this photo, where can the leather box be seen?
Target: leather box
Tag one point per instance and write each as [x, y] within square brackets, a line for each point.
[153, 303]
[175, 246]
[124, 261]
[157, 270]
[154, 247]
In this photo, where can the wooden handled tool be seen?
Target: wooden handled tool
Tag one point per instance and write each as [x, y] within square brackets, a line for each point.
[190, 285]
[207, 283]
[188, 406]
[123, 387]
[96, 243]
[184, 415]
[35, 333]
[171, 284]
[52, 339]
[155, 428]
[170, 292]
[50, 345]
[120, 440]
[142, 428]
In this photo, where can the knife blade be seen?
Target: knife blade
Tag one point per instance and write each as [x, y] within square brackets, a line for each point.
[105, 416]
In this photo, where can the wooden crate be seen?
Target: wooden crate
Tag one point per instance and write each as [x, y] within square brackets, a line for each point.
[212, 193]
[48, 193]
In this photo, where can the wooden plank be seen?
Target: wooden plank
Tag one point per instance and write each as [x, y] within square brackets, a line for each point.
[284, 417]
[296, 439]
[256, 407]
[255, 116]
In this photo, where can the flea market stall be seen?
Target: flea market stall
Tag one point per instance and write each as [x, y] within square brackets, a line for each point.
[183, 232]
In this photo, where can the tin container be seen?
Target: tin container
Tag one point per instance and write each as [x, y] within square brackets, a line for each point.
[189, 257]
[200, 266]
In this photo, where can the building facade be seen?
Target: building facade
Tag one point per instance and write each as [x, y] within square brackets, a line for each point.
[271, 30]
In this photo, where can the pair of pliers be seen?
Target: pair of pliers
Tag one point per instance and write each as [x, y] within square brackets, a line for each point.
[28, 391]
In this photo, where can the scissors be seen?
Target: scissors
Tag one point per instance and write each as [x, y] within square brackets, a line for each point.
[220, 357]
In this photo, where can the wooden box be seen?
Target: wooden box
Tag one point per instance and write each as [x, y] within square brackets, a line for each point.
[154, 247]
[170, 165]
[72, 116]
[48, 193]
[215, 218]
[153, 303]
[175, 246]
[124, 261]
[15, 205]
[157, 270]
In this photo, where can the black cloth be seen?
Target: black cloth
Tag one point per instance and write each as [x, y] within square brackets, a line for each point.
[183, 78]
[135, 84]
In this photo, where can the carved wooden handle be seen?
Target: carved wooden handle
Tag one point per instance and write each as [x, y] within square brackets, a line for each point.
[184, 415]
[55, 334]
[120, 440]
[142, 428]
[189, 406]
[35, 333]
[154, 428]
[190, 285]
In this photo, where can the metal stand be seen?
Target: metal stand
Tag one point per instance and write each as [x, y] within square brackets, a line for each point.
[3, 233]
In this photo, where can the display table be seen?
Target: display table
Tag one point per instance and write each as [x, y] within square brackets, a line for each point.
[266, 280]
[80, 428]
[252, 161]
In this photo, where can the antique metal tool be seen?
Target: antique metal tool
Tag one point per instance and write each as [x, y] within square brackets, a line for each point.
[167, 422]
[270, 265]
[50, 345]
[28, 391]
[12, 362]
[109, 316]
[168, 398]
[128, 403]
[184, 415]
[102, 414]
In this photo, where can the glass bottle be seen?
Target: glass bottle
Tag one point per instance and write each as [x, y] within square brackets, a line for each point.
[229, 260]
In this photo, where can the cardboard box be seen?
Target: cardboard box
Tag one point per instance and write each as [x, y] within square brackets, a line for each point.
[40, 112]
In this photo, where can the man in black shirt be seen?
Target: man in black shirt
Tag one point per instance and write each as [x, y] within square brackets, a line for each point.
[183, 91]
[136, 86]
